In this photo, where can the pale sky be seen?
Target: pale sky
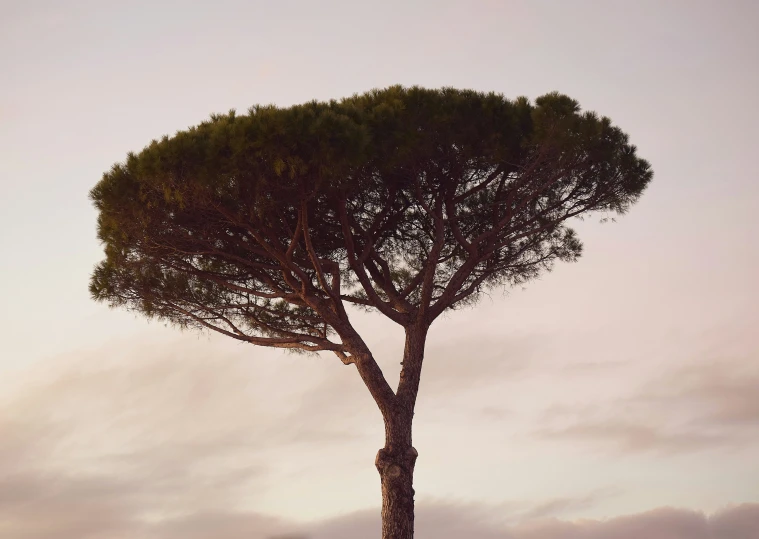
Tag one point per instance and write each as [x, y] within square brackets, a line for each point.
[613, 398]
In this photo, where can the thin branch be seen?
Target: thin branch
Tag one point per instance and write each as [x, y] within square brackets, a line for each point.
[358, 269]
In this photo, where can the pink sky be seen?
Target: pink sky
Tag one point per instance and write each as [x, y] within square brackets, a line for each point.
[614, 398]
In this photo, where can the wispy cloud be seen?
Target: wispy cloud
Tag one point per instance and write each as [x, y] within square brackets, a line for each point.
[178, 444]
[665, 523]
[562, 506]
[699, 406]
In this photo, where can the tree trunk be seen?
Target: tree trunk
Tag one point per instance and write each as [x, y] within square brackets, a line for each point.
[395, 462]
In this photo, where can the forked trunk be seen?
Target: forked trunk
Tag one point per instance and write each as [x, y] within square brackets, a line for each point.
[395, 462]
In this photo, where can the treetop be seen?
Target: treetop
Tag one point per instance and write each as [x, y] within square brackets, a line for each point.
[409, 201]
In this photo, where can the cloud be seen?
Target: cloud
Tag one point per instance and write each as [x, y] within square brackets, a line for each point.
[453, 522]
[739, 522]
[559, 506]
[84, 509]
[111, 445]
[723, 391]
[702, 406]
[625, 436]
[662, 523]
[441, 520]
[222, 525]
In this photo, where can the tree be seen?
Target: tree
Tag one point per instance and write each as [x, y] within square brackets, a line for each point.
[405, 201]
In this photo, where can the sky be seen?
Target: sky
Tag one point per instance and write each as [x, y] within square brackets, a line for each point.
[614, 398]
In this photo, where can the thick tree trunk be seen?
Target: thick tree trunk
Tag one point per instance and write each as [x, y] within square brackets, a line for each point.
[395, 464]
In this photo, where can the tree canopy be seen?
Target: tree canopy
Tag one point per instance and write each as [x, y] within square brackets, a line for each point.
[407, 201]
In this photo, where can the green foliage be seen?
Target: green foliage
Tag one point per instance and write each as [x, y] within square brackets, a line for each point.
[405, 200]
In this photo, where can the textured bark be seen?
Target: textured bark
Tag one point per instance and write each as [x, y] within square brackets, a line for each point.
[396, 468]
[395, 462]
